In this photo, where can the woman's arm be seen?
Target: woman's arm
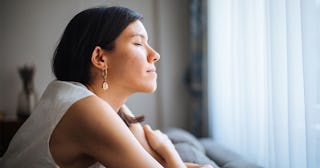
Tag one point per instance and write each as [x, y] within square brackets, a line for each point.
[138, 132]
[101, 134]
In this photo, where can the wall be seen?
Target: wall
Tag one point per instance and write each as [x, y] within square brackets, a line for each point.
[174, 46]
[1, 54]
[30, 31]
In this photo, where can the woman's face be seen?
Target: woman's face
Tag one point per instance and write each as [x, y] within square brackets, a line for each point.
[131, 62]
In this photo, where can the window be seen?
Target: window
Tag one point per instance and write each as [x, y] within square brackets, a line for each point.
[264, 80]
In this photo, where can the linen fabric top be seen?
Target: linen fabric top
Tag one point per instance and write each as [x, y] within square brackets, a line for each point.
[29, 148]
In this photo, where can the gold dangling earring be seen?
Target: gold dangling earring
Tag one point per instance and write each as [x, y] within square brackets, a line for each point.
[105, 85]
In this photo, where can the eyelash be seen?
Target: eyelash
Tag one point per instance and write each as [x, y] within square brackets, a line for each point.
[137, 44]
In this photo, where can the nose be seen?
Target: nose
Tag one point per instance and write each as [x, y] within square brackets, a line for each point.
[153, 56]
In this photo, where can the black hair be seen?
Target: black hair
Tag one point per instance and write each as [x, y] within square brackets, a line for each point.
[92, 27]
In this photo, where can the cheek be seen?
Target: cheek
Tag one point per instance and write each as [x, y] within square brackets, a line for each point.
[128, 69]
[136, 63]
[135, 69]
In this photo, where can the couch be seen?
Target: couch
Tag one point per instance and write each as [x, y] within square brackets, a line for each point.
[205, 151]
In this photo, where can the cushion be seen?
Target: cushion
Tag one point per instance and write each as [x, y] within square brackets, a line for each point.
[188, 147]
[240, 164]
[178, 135]
[189, 153]
[220, 154]
[224, 157]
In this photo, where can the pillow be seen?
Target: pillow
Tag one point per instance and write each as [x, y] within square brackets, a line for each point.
[189, 153]
[217, 152]
[240, 164]
[223, 156]
[178, 135]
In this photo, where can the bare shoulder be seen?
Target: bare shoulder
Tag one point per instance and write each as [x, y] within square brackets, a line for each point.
[90, 109]
[94, 118]
[82, 123]
[88, 114]
[101, 134]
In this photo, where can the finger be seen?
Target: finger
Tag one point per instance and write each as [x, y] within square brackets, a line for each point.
[192, 165]
[152, 133]
[147, 128]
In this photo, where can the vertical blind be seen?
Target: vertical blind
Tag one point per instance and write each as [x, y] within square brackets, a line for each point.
[264, 79]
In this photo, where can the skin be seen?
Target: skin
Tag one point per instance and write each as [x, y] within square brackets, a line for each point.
[91, 130]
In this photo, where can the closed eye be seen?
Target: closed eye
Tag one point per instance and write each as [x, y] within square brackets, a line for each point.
[138, 44]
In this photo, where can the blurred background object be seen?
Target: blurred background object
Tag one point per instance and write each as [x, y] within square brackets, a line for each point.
[27, 97]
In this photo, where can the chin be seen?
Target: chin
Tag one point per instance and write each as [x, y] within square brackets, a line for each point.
[150, 89]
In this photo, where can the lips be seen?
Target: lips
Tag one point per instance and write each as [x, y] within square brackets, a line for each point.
[152, 70]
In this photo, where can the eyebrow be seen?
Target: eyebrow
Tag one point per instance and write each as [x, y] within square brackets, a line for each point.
[139, 35]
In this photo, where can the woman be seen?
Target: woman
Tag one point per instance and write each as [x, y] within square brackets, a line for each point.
[81, 120]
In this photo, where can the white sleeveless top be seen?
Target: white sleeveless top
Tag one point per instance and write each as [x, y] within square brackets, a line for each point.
[29, 148]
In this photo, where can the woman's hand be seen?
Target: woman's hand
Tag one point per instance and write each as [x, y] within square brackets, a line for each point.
[160, 143]
[193, 165]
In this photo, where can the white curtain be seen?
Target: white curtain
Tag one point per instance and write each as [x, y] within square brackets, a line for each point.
[264, 80]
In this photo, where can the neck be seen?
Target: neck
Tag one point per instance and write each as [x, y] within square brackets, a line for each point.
[114, 97]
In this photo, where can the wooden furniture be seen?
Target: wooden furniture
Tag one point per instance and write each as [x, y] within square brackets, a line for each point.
[7, 130]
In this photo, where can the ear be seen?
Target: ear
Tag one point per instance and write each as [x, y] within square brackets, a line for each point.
[98, 58]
